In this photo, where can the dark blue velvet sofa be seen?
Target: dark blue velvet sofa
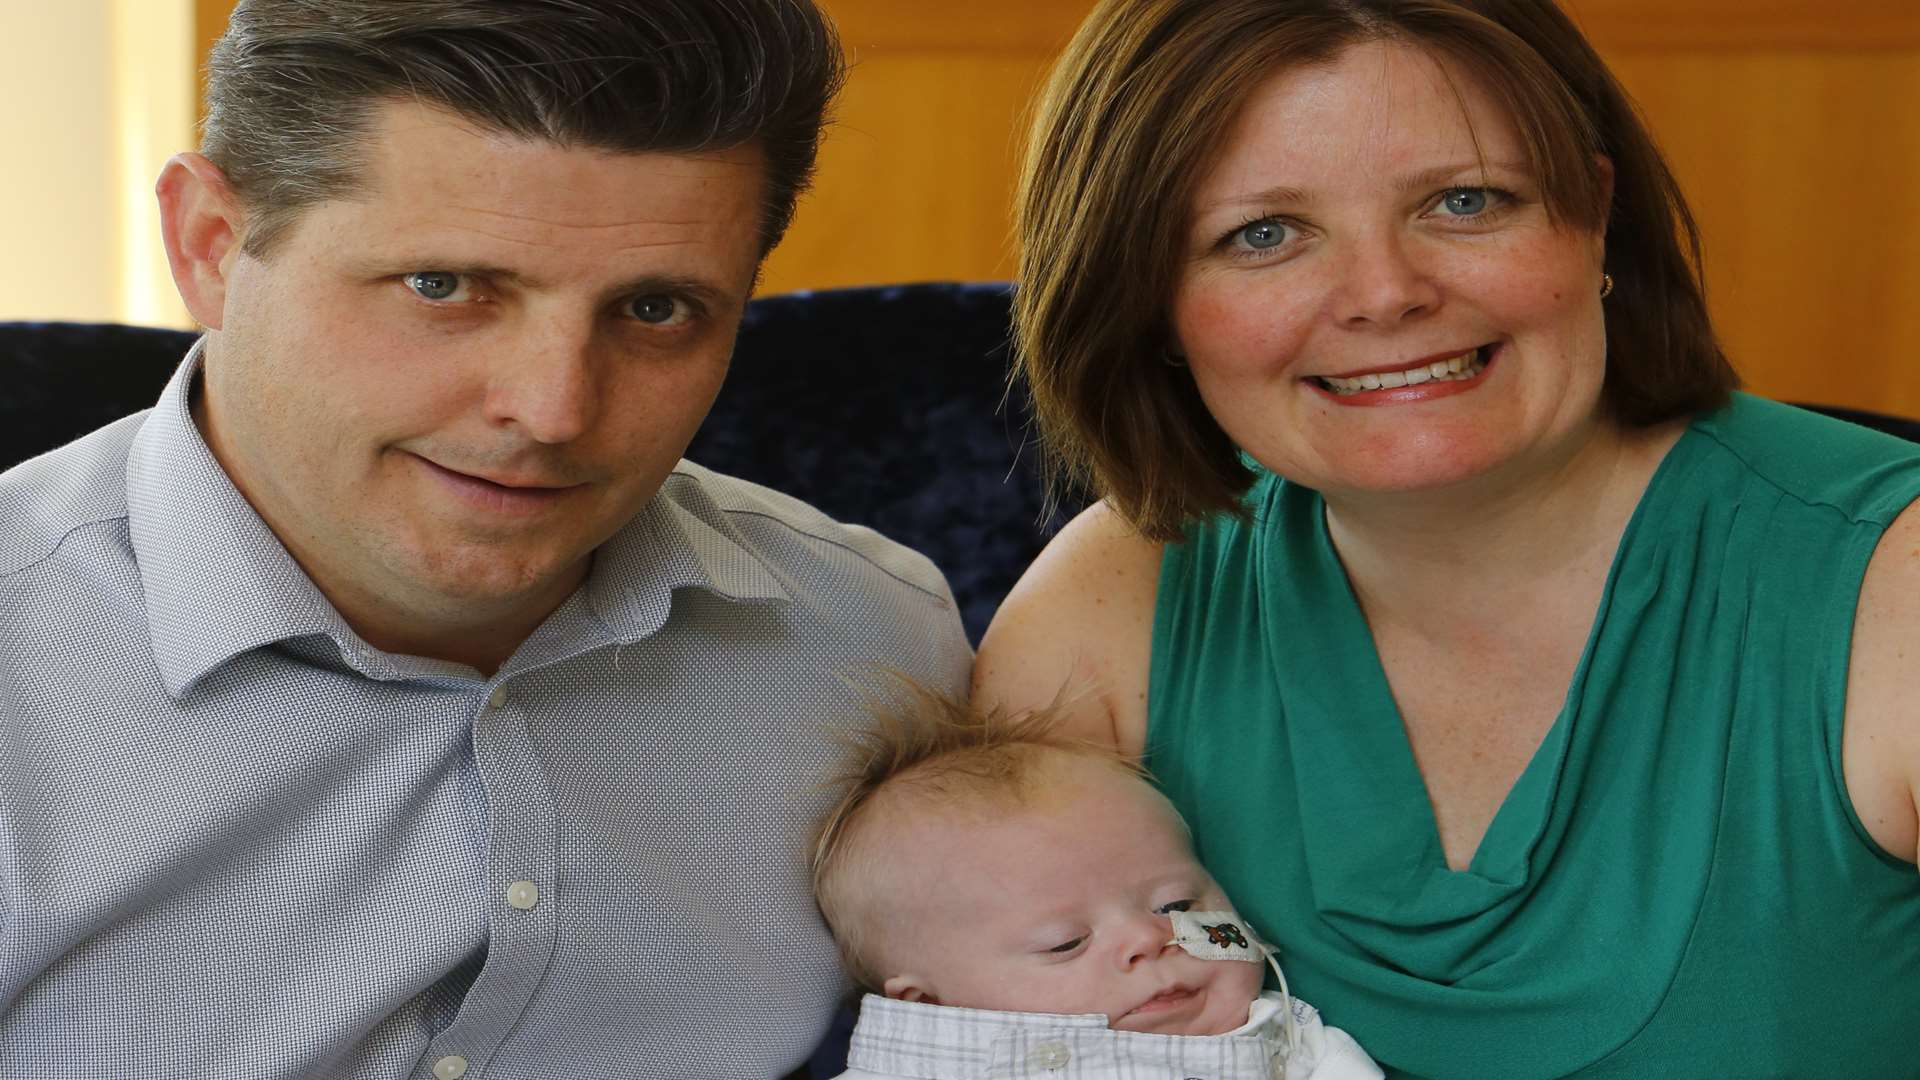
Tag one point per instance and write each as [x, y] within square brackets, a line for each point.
[882, 406]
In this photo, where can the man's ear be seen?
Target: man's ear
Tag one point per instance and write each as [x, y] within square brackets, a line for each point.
[200, 221]
[908, 988]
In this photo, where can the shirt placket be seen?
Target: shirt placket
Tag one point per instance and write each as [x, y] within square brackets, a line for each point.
[522, 917]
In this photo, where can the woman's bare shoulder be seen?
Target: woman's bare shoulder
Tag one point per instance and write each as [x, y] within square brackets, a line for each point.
[1080, 620]
[1881, 747]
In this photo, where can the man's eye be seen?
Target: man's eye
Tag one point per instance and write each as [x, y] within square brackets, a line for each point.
[1067, 946]
[657, 309]
[436, 285]
[1177, 905]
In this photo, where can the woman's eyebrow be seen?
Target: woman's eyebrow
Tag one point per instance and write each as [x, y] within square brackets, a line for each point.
[1282, 194]
[1434, 177]
[1265, 197]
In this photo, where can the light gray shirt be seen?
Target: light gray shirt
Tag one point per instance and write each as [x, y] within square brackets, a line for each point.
[238, 841]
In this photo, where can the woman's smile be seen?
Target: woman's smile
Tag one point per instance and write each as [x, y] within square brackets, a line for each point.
[1360, 388]
[1400, 256]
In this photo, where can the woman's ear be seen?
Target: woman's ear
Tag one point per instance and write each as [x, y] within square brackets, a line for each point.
[200, 223]
[908, 988]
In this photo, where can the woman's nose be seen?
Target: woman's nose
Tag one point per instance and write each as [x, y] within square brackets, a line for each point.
[1383, 283]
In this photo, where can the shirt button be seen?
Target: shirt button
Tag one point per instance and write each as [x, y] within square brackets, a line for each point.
[451, 1067]
[1051, 1055]
[523, 895]
[498, 699]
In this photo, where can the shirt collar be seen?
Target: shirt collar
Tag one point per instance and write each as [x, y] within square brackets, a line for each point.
[219, 583]
[941, 1042]
[672, 544]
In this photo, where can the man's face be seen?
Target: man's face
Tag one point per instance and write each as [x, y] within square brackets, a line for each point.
[1059, 906]
[444, 393]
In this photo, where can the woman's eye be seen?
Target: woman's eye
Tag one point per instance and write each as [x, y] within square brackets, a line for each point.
[1067, 946]
[1262, 235]
[436, 285]
[1177, 905]
[657, 309]
[1465, 202]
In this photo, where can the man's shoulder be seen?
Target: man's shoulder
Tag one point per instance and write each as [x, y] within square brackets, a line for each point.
[45, 499]
[779, 529]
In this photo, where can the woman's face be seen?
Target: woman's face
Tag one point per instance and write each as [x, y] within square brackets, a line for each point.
[1364, 309]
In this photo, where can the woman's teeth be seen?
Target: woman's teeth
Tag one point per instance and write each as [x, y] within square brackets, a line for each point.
[1465, 366]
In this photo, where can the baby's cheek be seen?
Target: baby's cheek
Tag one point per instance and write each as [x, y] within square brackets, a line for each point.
[1246, 981]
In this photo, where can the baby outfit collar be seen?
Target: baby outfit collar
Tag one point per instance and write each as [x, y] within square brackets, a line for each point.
[942, 1042]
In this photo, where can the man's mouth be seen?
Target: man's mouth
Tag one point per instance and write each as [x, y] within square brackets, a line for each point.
[500, 493]
[528, 484]
[1457, 368]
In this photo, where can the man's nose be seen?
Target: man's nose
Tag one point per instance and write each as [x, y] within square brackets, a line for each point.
[545, 382]
[1384, 282]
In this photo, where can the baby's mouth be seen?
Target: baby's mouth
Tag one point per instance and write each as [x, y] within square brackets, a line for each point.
[1466, 365]
[1165, 999]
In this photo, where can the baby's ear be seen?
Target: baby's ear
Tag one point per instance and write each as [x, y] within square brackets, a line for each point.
[908, 988]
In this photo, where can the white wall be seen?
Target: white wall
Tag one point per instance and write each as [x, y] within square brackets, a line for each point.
[94, 95]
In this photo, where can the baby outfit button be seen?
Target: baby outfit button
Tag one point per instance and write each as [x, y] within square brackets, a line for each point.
[523, 895]
[1051, 1055]
[498, 699]
[451, 1067]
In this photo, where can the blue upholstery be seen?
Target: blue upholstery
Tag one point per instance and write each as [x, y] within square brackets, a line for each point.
[881, 406]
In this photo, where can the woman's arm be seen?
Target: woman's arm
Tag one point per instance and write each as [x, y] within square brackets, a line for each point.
[1880, 747]
[1080, 618]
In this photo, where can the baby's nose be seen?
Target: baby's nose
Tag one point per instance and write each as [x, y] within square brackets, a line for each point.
[1147, 938]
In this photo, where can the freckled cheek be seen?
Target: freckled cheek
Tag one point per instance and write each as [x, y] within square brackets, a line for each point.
[1537, 283]
[1236, 333]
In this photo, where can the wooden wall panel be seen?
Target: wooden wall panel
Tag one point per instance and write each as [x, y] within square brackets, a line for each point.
[1801, 168]
[1794, 126]
[916, 176]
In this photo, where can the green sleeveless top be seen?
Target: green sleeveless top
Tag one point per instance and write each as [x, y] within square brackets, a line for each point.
[1677, 885]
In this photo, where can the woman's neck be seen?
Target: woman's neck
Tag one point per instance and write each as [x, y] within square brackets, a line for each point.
[1484, 551]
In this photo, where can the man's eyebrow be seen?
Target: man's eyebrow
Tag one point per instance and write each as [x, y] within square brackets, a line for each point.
[1420, 181]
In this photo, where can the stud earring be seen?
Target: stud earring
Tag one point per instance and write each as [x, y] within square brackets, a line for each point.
[1606, 286]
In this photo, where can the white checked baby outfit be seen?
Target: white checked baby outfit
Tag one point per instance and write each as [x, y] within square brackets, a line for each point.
[900, 1040]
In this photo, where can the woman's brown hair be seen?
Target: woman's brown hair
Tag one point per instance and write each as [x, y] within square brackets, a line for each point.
[1134, 114]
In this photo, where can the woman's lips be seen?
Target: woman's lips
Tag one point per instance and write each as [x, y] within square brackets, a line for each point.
[1436, 379]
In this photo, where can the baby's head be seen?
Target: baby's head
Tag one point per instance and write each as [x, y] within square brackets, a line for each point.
[985, 862]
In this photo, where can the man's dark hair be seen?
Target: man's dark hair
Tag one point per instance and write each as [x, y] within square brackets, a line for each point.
[294, 84]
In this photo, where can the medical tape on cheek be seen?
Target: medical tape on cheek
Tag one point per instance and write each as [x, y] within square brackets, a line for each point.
[1224, 935]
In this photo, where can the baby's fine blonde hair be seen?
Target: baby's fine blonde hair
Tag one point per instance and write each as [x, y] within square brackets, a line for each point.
[932, 752]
